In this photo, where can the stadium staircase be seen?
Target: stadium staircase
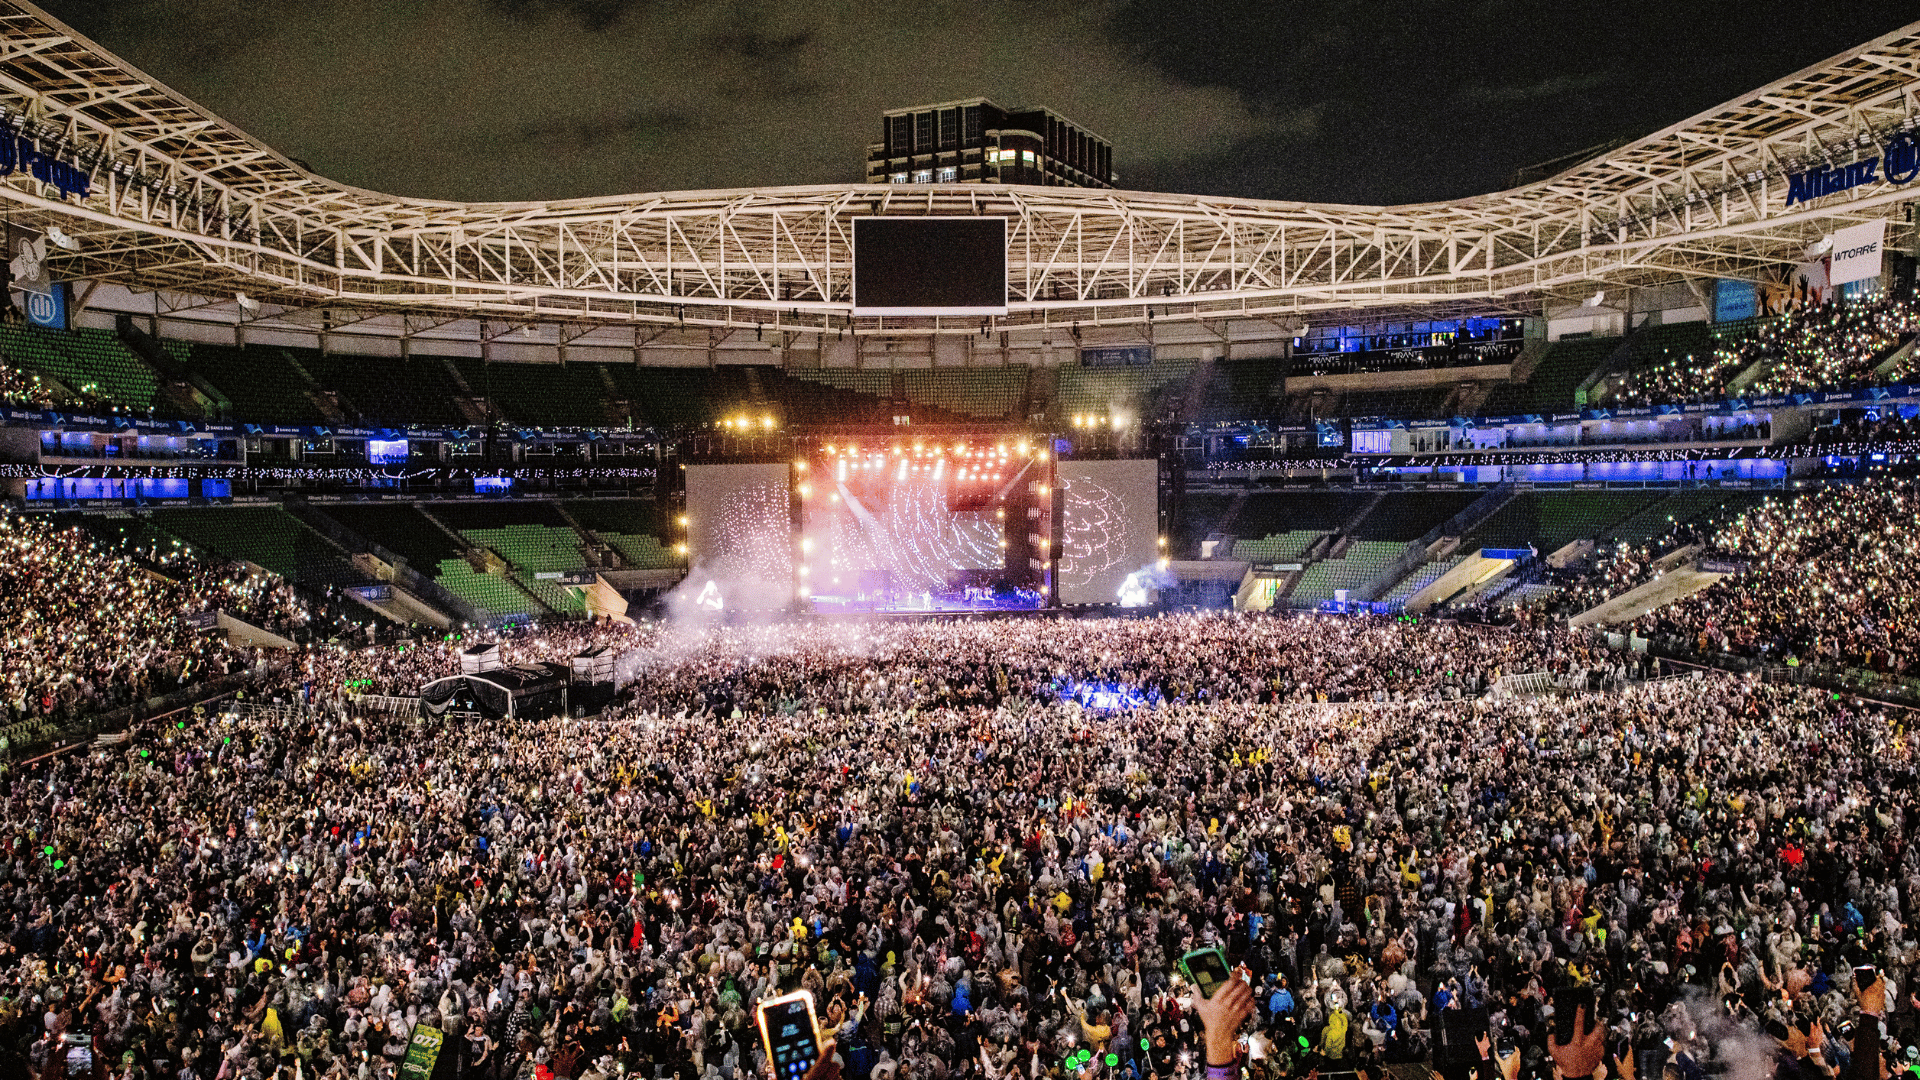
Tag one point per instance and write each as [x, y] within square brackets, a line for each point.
[1193, 403]
[474, 408]
[636, 528]
[418, 597]
[1440, 540]
[1680, 577]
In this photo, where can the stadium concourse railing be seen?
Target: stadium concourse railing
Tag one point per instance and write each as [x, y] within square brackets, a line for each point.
[1856, 682]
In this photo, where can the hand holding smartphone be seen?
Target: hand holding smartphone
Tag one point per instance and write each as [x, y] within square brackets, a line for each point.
[1206, 969]
[790, 1033]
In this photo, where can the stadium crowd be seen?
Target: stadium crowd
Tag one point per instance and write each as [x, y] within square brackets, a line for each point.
[1827, 581]
[1822, 347]
[974, 876]
[88, 628]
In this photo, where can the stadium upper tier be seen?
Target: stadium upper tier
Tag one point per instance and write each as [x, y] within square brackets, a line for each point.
[1870, 342]
[157, 193]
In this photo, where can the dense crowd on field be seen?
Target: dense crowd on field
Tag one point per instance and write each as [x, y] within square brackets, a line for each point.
[973, 875]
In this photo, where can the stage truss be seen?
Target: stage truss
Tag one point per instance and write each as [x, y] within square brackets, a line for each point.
[184, 202]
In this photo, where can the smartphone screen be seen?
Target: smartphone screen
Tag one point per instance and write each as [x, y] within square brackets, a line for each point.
[1207, 968]
[787, 1030]
[1864, 976]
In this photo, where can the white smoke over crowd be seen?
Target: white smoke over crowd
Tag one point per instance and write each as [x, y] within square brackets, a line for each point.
[1137, 590]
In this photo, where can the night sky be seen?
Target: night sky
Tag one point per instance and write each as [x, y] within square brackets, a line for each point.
[1359, 101]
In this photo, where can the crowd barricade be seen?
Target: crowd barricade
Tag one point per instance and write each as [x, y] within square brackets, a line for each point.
[1532, 682]
[388, 704]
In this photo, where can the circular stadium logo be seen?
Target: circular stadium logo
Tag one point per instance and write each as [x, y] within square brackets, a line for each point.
[1902, 158]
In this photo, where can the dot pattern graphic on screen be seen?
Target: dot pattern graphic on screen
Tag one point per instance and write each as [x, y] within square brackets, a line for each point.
[907, 531]
[1094, 527]
[752, 531]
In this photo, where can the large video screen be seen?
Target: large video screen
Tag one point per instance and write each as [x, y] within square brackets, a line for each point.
[918, 528]
[929, 266]
[1110, 527]
[740, 536]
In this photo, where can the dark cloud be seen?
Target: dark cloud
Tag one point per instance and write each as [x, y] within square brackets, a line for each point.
[1326, 100]
[541, 99]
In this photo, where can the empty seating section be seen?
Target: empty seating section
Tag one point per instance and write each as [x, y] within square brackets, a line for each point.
[1680, 508]
[531, 535]
[461, 516]
[682, 397]
[980, 393]
[533, 549]
[808, 399]
[266, 536]
[1551, 520]
[1405, 516]
[636, 528]
[631, 516]
[1276, 547]
[1565, 366]
[872, 383]
[1202, 516]
[1153, 390]
[85, 361]
[1584, 515]
[489, 592]
[1363, 561]
[1268, 512]
[386, 392]
[549, 395]
[263, 383]
[1660, 344]
[1243, 390]
[403, 530]
[641, 551]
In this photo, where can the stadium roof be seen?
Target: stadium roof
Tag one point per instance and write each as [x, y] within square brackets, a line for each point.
[183, 201]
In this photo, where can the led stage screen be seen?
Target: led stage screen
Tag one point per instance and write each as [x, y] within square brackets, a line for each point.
[740, 535]
[1109, 524]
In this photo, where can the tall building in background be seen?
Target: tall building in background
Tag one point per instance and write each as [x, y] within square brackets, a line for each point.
[977, 142]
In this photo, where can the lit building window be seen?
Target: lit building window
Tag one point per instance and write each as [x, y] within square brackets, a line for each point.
[923, 176]
[949, 174]
[899, 178]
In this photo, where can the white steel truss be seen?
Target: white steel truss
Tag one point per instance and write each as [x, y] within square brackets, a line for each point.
[183, 201]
